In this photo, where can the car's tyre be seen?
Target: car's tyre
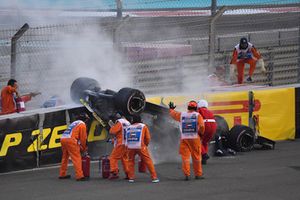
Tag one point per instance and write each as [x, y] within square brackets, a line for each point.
[220, 138]
[130, 101]
[222, 126]
[241, 138]
[80, 85]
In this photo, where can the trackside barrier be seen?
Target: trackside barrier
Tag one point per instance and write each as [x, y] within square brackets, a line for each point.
[23, 146]
[276, 108]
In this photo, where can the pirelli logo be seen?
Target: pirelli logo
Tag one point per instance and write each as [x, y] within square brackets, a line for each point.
[234, 110]
[227, 107]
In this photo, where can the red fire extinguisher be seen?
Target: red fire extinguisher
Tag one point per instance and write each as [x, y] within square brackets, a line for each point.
[142, 166]
[20, 104]
[104, 165]
[86, 163]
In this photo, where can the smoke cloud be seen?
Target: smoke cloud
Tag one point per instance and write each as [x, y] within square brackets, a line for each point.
[87, 53]
[84, 50]
[64, 49]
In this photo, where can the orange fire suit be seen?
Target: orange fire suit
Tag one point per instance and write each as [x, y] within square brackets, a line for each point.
[7, 100]
[137, 140]
[190, 147]
[210, 128]
[73, 140]
[119, 150]
[242, 56]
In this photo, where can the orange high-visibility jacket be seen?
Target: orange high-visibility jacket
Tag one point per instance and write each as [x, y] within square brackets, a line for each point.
[177, 116]
[7, 100]
[145, 134]
[237, 52]
[78, 133]
[119, 131]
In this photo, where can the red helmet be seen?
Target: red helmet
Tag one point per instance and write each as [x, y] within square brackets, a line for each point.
[192, 105]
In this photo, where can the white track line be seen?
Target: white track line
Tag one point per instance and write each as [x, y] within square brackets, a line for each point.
[38, 169]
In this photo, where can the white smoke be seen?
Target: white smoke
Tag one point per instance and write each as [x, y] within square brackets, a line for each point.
[81, 50]
[87, 53]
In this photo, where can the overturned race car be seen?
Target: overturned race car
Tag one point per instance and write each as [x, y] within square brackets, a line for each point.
[106, 103]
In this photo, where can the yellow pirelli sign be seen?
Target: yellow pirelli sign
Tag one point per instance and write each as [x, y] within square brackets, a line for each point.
[275, 109]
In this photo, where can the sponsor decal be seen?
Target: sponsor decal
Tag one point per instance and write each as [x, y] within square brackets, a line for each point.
[49, 139]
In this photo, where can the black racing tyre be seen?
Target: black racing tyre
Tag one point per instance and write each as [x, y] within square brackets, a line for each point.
[130, 101]
[222, 132]
[222, 126]
[80, 85]
[241, 138]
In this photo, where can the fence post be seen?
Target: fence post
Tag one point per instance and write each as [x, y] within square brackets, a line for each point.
[213, 7]
[40, 139]
[13, 53]
[119, 8]
[212, 38]
[270, 68]
[116, 32]
[251, 109]
[298, 50]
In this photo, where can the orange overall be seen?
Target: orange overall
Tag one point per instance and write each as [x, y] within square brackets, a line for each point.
[73, 141]
[190, 147]
[119, 150]
[210, 128]
[138, 139]
[7, 100]
[240, 57]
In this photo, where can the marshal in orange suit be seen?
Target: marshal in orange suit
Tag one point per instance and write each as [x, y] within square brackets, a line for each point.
[243, 53]
[137, 140]
[73, 142]
[191, 128]
[118, 130]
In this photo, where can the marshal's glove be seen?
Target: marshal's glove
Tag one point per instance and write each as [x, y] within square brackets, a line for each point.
[261, 63]
[111, 123]
[172, 105]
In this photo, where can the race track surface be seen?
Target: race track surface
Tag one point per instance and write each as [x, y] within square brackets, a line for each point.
[259, 174]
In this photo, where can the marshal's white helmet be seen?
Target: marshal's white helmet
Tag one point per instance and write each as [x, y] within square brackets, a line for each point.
[202, 103]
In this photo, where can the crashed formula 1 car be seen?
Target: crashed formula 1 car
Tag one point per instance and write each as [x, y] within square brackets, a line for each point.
[106, 103]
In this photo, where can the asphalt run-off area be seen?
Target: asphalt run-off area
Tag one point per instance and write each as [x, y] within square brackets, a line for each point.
[259, 174]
